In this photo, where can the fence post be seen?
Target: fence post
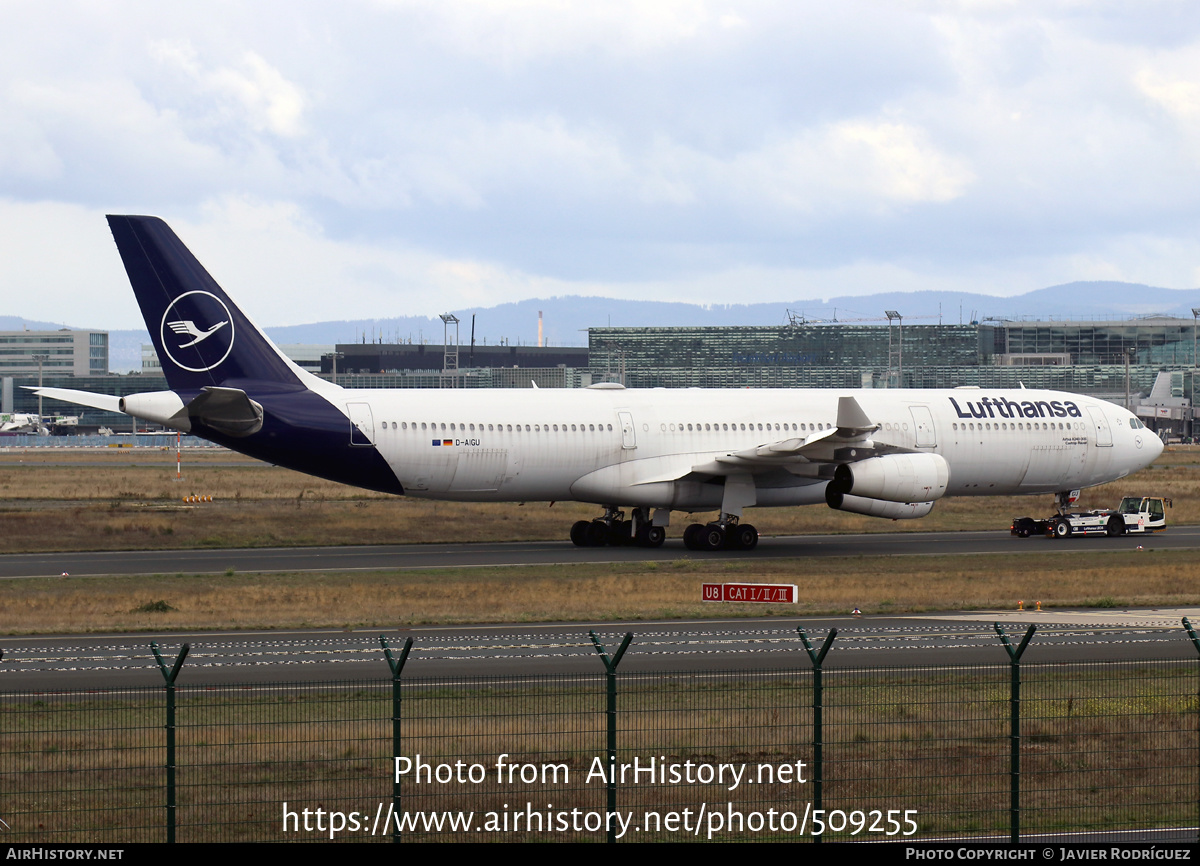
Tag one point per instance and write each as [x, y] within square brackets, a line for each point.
[397, 667]
[1014, 733]
[610, 677]
[170, 676]
[817, 657]
[1187, 623]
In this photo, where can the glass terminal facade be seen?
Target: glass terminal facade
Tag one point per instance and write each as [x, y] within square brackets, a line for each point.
[1086, 357]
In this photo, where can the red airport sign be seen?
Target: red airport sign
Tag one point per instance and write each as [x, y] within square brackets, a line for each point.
[765, 593]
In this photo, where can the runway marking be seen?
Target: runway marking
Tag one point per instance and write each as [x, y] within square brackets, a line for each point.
[354, 648]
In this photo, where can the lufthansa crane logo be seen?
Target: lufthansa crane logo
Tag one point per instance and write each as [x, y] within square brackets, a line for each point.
[197, 331]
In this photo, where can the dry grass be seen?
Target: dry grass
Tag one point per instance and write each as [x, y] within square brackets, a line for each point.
[597, 593]
[126, 500]
[1111, 748]
[130, 500]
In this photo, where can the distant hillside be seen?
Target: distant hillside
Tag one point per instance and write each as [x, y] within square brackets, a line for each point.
[16, 323]
[566, 319]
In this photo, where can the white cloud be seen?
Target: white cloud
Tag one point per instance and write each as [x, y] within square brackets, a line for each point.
[257, 92]
[415, 153]
[1180, 97]
[861, 163]
[516, 32]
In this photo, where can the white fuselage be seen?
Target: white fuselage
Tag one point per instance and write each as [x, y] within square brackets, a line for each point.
[637, 447]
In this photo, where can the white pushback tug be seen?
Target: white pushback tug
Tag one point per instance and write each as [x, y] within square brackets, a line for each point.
[1136, 515]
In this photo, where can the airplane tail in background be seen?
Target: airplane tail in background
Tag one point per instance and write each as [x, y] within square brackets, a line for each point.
[202, 338]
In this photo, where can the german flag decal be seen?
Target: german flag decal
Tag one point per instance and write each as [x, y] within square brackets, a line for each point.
[443, 442]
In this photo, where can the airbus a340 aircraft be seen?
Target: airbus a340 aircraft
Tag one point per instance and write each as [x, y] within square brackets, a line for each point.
[639, 454]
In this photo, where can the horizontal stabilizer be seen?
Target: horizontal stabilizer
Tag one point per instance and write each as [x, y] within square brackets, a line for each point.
[226, 410]
[107, 402]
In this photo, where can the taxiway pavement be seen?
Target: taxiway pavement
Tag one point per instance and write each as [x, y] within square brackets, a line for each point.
[401, 557]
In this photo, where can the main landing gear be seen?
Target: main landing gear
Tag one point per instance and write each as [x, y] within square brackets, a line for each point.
[615, 530]
[727, 534]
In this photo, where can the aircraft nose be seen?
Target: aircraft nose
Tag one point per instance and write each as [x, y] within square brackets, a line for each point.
[1156, 444]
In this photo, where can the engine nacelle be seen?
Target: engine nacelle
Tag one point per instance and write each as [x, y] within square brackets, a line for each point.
[904, 478]
[876, 507]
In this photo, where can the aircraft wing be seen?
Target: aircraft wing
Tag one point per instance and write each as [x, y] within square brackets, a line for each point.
[814, 455]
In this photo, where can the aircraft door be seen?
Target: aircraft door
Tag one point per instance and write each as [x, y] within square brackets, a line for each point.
[362, 425]
[923, 424]
[1100, 426]
[628, 434]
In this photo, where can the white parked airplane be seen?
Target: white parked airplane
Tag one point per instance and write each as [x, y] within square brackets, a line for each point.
[641, 453]
[21, 422]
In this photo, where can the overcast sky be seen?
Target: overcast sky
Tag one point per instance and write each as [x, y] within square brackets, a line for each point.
[373, 159]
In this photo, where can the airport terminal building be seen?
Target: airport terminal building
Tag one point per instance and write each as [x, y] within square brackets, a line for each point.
[74, 353]
[1116, 360]
[1081, 356]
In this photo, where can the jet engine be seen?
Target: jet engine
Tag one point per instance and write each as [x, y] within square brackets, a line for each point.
[918, 477]
[876, 507]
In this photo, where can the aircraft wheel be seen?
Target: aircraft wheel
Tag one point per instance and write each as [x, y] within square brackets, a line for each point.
[1115, 527]
[621, 533]
[691, 537]
[579, 533]
[712, 537]
[655, 536]
[1062, 529]
[597, 533]
[745, 536]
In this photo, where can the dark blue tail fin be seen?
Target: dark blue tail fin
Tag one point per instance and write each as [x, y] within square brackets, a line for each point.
[201, 337]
